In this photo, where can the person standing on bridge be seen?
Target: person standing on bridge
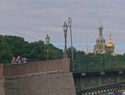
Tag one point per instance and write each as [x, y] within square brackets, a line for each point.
[13, 61]
[18, 60]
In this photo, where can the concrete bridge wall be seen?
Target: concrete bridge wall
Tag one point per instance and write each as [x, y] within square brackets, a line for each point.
[86, 82]
[41, 84]
[1, 70]
[1, 80]
[38, 78]
[60, 65]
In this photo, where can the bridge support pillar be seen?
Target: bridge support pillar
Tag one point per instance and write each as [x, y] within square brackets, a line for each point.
[118, 77]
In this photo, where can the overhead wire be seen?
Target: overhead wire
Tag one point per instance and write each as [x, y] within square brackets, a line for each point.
[18, 33]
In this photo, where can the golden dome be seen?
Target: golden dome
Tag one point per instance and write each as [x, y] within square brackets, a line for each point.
[110, 44]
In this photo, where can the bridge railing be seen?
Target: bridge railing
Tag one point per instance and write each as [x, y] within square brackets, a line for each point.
[104, 89]
[97, 64]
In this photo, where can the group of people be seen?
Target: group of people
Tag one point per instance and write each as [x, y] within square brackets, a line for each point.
[19, 60]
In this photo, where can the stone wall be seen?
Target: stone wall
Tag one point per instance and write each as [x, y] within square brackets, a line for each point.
[1, 80]
[2, 92]
[38, 78]
[60, 65]
[1, 70]
[41, 84]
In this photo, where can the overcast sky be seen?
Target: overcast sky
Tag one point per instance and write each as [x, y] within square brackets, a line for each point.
[34, 19]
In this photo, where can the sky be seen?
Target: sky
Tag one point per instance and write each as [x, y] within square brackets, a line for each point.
[34, 19]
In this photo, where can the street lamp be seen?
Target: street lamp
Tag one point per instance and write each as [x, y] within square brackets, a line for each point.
[47, 43]
[65, 28]
[47, 39]
[69, 25]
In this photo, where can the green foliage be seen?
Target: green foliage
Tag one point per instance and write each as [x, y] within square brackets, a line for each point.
[69, 52]
[53, 52]
[37, 51]
[13, 46]
[5, 51]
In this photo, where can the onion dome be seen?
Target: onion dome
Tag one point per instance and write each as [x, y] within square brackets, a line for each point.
[110, 44]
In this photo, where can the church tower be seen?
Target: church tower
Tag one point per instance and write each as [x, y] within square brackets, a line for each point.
[100, 46]
[110, 45]
[87, 50]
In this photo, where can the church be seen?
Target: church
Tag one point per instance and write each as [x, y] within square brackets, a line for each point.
[101, 46]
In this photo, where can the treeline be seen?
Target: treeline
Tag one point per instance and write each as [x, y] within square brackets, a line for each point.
[13, 46]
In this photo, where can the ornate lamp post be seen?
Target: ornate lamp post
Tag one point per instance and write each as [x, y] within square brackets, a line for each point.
[65, 28]
[47, 39]
[47, 43]
[69, 25]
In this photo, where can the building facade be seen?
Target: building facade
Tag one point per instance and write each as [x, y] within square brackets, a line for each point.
[101, 46]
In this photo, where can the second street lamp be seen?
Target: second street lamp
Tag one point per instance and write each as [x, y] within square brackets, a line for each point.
[69, 25]
[65, 28]
[47, 43]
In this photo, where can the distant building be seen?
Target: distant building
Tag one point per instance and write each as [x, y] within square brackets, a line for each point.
[101, 46]
[87, 50]
[110, 45]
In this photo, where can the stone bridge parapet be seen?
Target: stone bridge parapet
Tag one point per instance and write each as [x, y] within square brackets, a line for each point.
[49, 66]
[51, 77]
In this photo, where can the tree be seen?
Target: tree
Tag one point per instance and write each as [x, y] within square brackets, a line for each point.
[37, 51]
[5, 51]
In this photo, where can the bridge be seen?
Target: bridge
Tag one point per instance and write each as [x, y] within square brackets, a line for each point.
[86, 76]
[98, 76]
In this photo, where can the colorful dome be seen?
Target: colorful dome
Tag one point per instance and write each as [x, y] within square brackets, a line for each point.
[110, 44]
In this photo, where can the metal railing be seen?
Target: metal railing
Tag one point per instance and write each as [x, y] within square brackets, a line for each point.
[103, 89]
[97, 64]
